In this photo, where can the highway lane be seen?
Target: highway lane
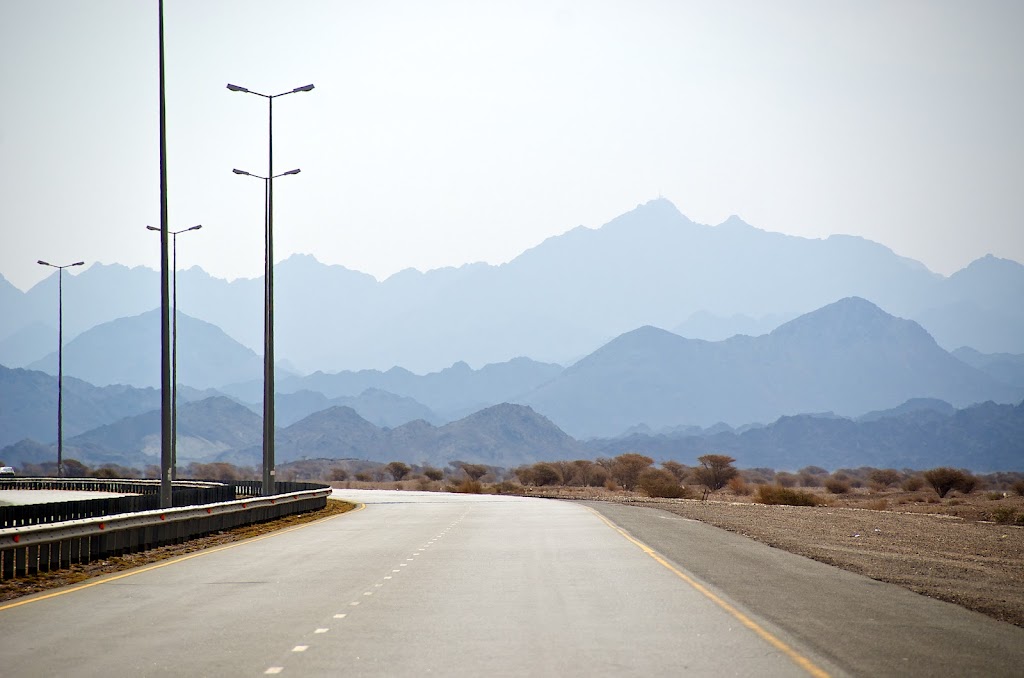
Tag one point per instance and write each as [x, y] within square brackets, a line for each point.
[416, 583]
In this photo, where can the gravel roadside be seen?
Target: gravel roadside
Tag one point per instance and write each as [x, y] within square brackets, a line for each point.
[978, 565]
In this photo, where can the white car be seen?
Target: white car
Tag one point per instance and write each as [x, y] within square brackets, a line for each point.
[6, 470]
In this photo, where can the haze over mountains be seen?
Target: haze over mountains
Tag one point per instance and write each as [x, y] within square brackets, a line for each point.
[556, 302]
[777, 328]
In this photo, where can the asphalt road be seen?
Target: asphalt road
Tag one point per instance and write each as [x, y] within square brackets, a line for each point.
[436, 584]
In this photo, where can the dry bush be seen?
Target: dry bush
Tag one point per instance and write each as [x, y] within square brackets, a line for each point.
[944, 479]
[885, 477]
[467, 486]
[739, 487]
[913, 483]
[1018, 487]
[660, 483]
[837, 485]
[680, 471]
[877, 505]
[777, 494]
[1005, 515]
[398, 469]
[786, 479]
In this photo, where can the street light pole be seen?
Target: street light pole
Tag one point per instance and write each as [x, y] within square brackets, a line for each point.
[268, 334]
[60, 360]
[268, 292]
[174, 345]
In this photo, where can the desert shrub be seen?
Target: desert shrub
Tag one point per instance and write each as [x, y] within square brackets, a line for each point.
[474, 471]
[398, 470]
[758, 476]
[1018, 487]
[777, 494]
[943, 479]
[339, 473]
[995, 496]
[739, 486]
[656, 482]
[812, 476]
[433, 473]
[626, 468]
[837, 485]
[543, 473]
[611, 485]
[597, 476]
[786, 479]
[877, 505]
[364, 477]
[469, 486]
[506, 487]
[913, 483]
[884, 477]
[969, 483]
[715, 471]
[1004, 515]
[680, 471]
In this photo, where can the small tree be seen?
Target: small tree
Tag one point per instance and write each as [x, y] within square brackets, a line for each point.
[680, 471]
[433, 473]
[398, 470]
[943, 479]
[543, 473]
[626, 468]
[715, 471]
[474, 471]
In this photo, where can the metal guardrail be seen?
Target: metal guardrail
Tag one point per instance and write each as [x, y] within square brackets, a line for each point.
[29, 550]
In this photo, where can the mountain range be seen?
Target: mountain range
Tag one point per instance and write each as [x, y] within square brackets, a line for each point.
[554, 303]
[849, 357]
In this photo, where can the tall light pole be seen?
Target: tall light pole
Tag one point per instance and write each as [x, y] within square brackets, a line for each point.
[174, 344]
[60, 360]
[268, 343]
[268, 301]
[166, 488]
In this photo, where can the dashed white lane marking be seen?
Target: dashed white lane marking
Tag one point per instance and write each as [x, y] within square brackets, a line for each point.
[321, 631]
[367, 593]
[403, 565]
[354, 603]
[340, 615]
[389, 576]
[300, 648]
[396, 570]
[274, 669]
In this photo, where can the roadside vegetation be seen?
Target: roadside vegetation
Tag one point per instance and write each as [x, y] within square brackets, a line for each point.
[995, 497]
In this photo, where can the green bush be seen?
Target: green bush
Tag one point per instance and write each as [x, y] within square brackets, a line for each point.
[777, 494]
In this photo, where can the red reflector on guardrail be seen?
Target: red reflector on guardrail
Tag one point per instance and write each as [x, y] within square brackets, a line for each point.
[17, 538]
[103, 526]
[209, 510]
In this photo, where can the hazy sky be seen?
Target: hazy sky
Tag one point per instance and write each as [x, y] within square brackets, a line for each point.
[445, 132]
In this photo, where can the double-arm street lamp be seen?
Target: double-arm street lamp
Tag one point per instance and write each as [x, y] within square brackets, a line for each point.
[174, 345]
[60, 360]
[268, 311]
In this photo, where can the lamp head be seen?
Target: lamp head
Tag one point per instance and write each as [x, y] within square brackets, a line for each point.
[304, 88]
[78, 263]
[152, 228]
[236, 88]
[238, 171]
[294, 171]
[194, 228]
[44, 263]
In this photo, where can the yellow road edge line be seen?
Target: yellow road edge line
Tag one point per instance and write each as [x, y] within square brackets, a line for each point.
[797, 658]
[171, 561]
